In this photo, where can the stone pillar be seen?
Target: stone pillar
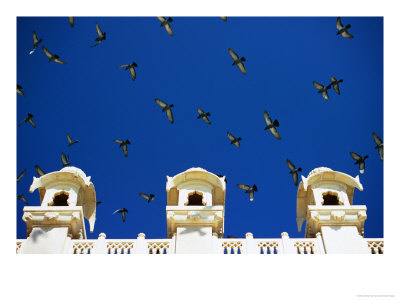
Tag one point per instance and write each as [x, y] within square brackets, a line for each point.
[287, 244]
[101, 245]
[141, 244]
[251, 245]
[196, 240]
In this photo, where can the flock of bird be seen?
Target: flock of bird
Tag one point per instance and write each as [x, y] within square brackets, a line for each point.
[167, 109]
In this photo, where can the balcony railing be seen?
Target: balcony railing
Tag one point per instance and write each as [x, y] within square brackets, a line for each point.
[248, 245]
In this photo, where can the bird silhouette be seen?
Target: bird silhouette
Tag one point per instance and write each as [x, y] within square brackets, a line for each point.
[379, 144]
[21, 197]
[149, 198]
[234, 141]
[131, 69]
[65, 160]
[271, 125]
[323, 90]
[248, 190]
[19, 90]
[166, 108]
[101, 36]
[98, 202]
[360, 161]
[122, 212]
[293, 171]
[21, 175]
[237, 61]
[224, 18]
[71, 21]
[165, 23]
[28, 119]
[335, 84]
[39, 171]
[36, 42]
[203, 116]
[342, 29]
[52, 57]
[70, 142]
[124, 146]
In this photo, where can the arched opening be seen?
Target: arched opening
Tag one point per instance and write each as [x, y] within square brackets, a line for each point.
[195, 199]
[330, 198]
[60, 199]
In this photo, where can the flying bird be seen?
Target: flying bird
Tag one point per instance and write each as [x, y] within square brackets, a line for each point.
[203, 116]
[235, 141]
[53, 57]
[98, 202]
[122, 212]
[21, 197]
[165, 23]
[21, 175]
[379, 144]
[70, 142]
[222, 177]
[248, 190]
[360, 161]
[71, 21]
[166, 108]
[124, 146]
[65, 159]
[101, 35]
[237, 61]
[342, 29]
[39, 171]
[36, 42]
[271, 125]
[293, 171]
[131, 69]
[224, 18]
[149, 198]
[335, 84]
[19, 90]
[323, 90]
[28, 119]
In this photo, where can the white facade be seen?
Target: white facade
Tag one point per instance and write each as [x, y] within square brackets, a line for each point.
[195, 214]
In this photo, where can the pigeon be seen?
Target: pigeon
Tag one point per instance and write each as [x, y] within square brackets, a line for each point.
[21, 197]
[223, 177]
[70, 142]
[124, 146]
[248, 190]
[360, 161]
[36, 42]
[101, 35]
[293, 171]
[53, 57]
[343, 30]
[71, 21]
[271, 125]
[19, 88]
[65, 160]
[323, 90]
[379, 144]
[237, 61]
[28, 119]
[203, 116]
[235, 141]
[167, 109]
[224, 18]
[149, 198]
[131, 69]
[231, 237]
[165, 23]
[122, 212]
[98, 202]
[335, 84]
[21, 175]
[39, 171]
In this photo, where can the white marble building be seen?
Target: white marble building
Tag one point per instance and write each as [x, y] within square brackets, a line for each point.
[195, 214]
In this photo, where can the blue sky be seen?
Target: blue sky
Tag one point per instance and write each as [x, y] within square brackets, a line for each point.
[95, 102]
